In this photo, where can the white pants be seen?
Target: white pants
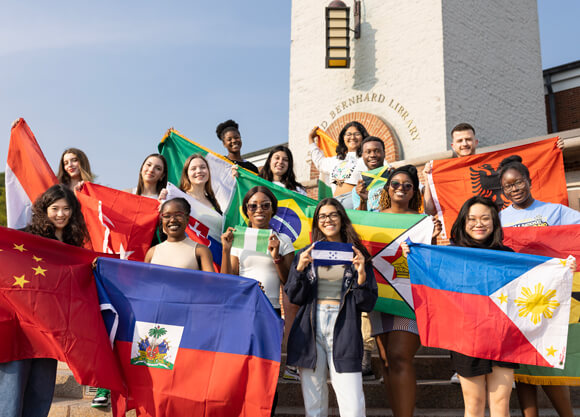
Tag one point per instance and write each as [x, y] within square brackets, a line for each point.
[347, 385]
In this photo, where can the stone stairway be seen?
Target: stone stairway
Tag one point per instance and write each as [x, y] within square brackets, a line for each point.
[436, 396]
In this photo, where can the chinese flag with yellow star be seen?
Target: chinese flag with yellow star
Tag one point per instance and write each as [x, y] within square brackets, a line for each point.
[556, 241]
[49, 308]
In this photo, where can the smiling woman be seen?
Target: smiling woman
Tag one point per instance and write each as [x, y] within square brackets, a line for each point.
[228, 132]
[179, 250]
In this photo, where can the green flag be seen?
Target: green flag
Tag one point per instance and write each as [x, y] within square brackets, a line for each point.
[289, 218]
[324, 191]
[176, 148]
[251, 239]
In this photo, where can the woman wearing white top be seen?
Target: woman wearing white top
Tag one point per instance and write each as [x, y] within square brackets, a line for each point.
[343, 167]
[196, 182]
[259, 206]
[152, 177]
[279, 169]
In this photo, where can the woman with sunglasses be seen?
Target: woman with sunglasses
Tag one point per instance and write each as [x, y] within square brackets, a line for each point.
[526, 211]
[398, 337]
[179, 250]
[343, 168]
[326, 334]
[259, 206]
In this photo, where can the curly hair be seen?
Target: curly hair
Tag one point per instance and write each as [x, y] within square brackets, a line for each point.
[341, 149]
[162, 183]
[289, 178]
[416, 201]
[225, 127]
[347, 232]
[514, 162]
[185, 183]
[84, 166]
[74, 233]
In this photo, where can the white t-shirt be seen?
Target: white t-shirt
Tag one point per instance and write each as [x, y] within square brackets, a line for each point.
[299, 190]
[260, 266]
[333, 169]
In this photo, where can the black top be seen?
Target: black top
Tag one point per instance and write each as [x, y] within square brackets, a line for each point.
[246, 164]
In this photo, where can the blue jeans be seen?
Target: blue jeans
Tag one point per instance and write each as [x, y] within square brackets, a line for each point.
[27, 387]
[347, 385]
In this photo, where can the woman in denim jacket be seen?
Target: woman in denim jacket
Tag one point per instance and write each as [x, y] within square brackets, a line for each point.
[326, 331]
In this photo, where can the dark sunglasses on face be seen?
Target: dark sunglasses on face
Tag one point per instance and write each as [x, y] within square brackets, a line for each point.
[406, 186]
[265, 206]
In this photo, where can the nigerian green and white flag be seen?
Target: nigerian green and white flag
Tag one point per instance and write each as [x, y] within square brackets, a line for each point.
[290, 218]
[176, 148]
[248, 238]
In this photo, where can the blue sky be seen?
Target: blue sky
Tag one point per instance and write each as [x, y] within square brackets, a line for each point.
[111, 77]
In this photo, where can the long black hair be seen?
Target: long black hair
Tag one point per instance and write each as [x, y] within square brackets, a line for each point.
[347, 232]
[74, 233]
[460, 237]
[289, 178]
[341, 149]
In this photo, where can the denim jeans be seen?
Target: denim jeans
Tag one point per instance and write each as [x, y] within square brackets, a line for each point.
[347, 386]
[26, 387]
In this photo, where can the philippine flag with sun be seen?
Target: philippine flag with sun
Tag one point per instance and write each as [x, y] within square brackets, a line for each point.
[491, 304]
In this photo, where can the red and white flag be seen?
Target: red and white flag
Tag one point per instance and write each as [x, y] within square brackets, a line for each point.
[118, 222]
[28, 175]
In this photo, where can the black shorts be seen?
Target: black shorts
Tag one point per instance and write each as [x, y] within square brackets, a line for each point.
[467, 366]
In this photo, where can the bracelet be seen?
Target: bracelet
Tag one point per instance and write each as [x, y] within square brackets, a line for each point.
[278, 260]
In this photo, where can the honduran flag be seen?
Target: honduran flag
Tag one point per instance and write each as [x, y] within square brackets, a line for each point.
[28, 175]
[332, 253]
[491, 304]
[191, 343]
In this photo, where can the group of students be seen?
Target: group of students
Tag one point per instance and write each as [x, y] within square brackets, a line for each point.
[330, 303]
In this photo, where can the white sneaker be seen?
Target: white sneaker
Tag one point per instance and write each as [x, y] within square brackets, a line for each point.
[454, 379]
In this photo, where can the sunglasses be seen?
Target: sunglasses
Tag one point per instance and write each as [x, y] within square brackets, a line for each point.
[265, 206]
[406, 186]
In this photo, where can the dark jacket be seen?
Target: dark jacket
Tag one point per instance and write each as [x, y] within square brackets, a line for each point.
[302, 289]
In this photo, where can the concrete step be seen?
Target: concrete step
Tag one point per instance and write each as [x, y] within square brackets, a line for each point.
[66, 407]
[385, 412]
[427, 366]
[431, 394]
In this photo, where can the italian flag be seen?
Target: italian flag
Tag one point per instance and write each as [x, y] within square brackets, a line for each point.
[252, 239]
[28, 175]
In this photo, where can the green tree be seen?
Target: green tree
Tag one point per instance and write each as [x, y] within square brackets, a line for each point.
[2, 200]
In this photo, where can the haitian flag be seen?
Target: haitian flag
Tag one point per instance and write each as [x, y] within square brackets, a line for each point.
[490, 304]
[176, 148]
[118, 222]
[452, 181]
[28, 175]
[49, 308]
[191, 342]
[290, 219]
[555, 241]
